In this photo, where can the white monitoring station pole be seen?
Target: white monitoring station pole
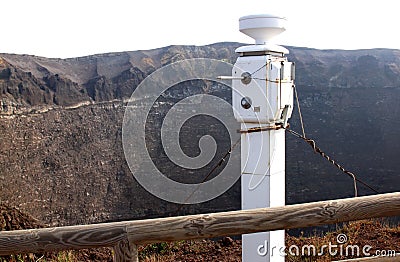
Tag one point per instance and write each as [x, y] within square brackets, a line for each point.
[263, 82]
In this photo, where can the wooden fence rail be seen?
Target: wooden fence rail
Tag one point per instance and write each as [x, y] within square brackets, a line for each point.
[124, 236]
[373, 259]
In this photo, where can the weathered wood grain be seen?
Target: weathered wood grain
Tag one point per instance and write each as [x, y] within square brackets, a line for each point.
[125, 251]
[200, 226]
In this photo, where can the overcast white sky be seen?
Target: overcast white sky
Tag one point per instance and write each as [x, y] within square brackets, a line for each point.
[70, 28]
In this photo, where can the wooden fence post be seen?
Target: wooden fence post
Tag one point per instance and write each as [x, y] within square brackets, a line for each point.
[125, 251]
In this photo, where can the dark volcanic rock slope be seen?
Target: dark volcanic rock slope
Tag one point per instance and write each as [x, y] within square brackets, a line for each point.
[61, 155]
[28, 81]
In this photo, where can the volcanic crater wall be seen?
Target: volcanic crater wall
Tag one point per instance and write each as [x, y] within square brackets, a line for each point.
[61, 155]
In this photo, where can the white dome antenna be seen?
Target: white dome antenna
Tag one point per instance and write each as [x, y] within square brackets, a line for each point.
[262, 28]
